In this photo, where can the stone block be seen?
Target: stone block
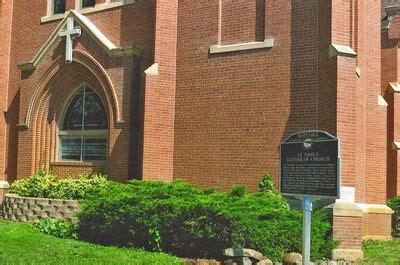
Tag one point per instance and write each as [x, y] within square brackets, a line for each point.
[265, 261]
[54, 214]
[56, 202]
[47, 208]
[353, 255]
[293, 258]
[35, 208]
[243, 252]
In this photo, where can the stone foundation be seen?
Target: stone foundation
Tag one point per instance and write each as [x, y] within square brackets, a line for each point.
[25, 209]
[355, 222]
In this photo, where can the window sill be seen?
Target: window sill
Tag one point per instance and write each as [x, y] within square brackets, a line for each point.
[87, 10]
[77, 163]
[267, 43]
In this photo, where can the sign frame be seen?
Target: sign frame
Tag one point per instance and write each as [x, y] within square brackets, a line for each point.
[338, 177]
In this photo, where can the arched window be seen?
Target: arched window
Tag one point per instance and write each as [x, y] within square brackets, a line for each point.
[58, 6]
[83, 132]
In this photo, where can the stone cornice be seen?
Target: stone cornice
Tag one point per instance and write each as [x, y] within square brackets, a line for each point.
[394, 87]
[267, 43]
[87, 26]
[341, 50]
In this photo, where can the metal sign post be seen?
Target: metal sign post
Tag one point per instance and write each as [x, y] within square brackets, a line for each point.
[309, 171]
[307, 209]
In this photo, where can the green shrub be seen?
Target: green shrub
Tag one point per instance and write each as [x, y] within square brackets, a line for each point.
[38, 186]
[44, 185]
[76, 188]
[395, 205]
[57, 228]
[267, 184]
[187, 222]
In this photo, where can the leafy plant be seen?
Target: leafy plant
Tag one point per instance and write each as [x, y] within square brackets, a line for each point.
[238, 190]
[394, 203]
[58, 228]
[38, 185]
[187, 222]
[44, 185]
[267, 184]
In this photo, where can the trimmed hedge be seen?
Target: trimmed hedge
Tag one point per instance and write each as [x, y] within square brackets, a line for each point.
[44, 185]
[395, 205]
[186, 222]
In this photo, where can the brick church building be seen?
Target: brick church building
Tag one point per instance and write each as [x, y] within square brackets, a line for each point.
[204, 91]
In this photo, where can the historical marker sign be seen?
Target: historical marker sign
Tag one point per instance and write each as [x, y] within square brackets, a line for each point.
[310, 165]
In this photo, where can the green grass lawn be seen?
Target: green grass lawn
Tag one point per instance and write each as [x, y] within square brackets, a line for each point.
[22, 244]
[382, 252]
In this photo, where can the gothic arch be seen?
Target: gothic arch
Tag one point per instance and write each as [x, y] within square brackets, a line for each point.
[97, 72]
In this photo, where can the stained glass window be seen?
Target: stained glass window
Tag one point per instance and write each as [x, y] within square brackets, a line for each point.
[84, 130]
[59, 6]
[88, 3]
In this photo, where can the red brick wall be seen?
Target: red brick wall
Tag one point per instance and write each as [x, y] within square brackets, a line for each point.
[377, 224]
[159, 100]
[233, 109]
[68, 169]
[241, 21]
[5, 38]
[376, 124]
[349, 231]
[35, 146]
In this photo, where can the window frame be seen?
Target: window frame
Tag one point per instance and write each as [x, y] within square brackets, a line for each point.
[50, 9]
[80, 134]
[108, 4]
[80, 4]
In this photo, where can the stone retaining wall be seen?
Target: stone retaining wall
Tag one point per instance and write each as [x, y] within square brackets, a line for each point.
[25, 209]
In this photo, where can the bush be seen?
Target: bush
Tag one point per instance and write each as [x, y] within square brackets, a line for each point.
[45, 185]
[267, 184]
[38, 186]
[395, 205]
[76, 188]
[58, 228]
[187, 222]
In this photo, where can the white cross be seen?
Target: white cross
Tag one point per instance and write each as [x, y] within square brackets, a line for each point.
[69, 33]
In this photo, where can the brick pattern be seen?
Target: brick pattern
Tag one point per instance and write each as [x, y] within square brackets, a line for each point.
[6, 16]
[73, 169]
[377, 224]
[349, 231]
[242, 28]
[391, 73]
[24, 209]
[118, 82]
[159, 99]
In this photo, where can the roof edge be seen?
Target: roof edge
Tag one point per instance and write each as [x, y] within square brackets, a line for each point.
[94, 33]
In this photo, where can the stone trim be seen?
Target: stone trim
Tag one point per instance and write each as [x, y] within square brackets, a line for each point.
[77, 163]
[4, 184]
[396, 145]
[382, 102]
[267, 43]
[377, 238]
[358, 71]
[88, 10]
[347, 209]
[89, 28]
[26, 209]
[375, 208]
[353, 255]
[395, 87]
[152, 70]
[341, 50]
